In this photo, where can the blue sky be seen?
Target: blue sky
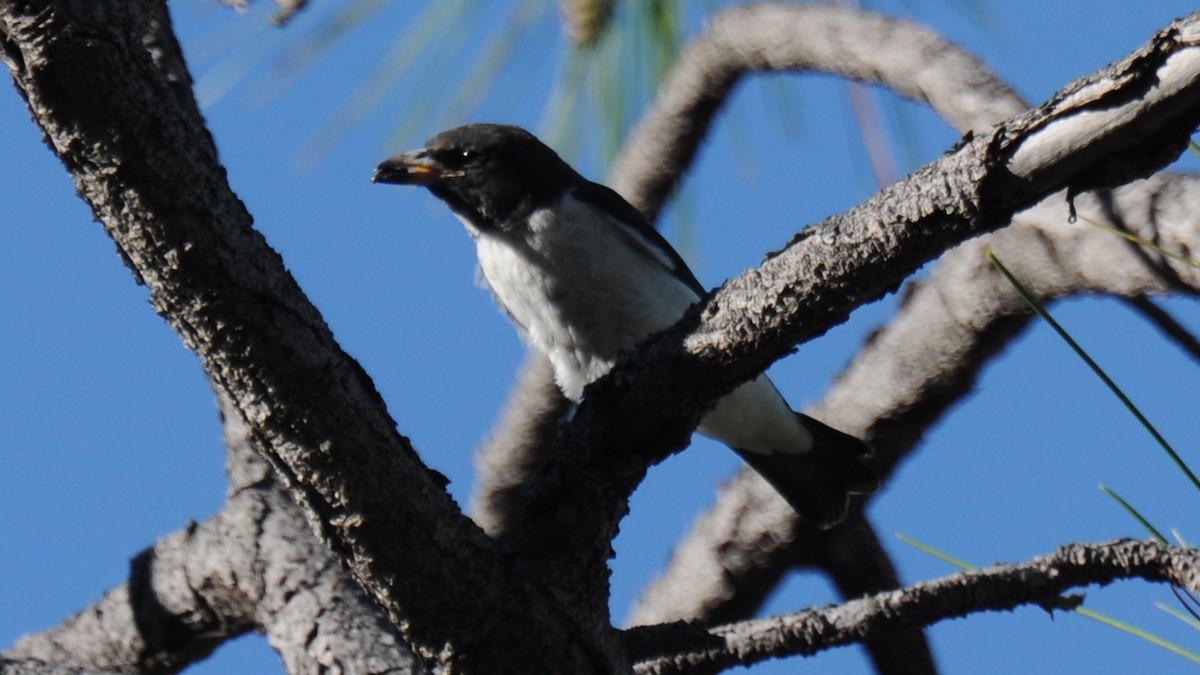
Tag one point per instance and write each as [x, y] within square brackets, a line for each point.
[110, 438]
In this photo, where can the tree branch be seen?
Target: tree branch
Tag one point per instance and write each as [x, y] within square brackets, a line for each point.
[124, 123]
[115, 107]
[928, 357]
[912, 60]
[255, 565]
[518, 447]
[923, 361]
[1135, 117]
[710, 583]
[29, 667]
[738, 42]
[1170, 327]
[1041, 581]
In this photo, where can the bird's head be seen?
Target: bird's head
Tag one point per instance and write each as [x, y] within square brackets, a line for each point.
[489, 174]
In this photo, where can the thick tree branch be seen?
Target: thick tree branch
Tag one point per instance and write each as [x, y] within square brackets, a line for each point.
[179, 605]
[912, 60]
[1170, 327]
[924, 361]
[738, 42]
[1135, 115]
[518, 447]
[255, 565]
[31, 667]
[123, 121]
[101, 80]
[1041, 581]
[920, 352]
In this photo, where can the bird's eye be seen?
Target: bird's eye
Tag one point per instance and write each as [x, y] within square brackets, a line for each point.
[457, 158]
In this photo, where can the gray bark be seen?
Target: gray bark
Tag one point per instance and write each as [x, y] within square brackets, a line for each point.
[102, 79]
[1041, 581]
[927, 357]
[255, 565]
[921, 363]
[105, 81]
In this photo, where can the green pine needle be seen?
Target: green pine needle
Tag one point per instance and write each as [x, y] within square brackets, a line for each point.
[1179, 539]
[1041, 311]
[1138, 632]
[940, 555]
[1145, 243]
[1082, 611]
[1136, 514]
[1186, 618]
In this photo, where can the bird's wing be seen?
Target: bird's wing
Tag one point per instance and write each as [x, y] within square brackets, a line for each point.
[642, 234]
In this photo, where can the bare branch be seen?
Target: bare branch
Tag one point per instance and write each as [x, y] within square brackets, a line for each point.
[255, 565]
[518, 447]
[92, 86]
[1171, 328]
[910, 372]
[1040, 581]
[712, 586]
[161, 619]
[923, 361]
[30, 667]
[312, 611]
[1136, 116]
[912, 60]
[762, 37]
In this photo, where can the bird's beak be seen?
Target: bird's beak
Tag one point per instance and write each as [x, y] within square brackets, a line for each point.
[410, 168]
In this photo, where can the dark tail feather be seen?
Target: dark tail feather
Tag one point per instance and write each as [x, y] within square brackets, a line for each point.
[818, 483]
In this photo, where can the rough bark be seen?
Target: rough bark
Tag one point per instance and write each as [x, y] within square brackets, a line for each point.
[105, 82]
[255, 565]
[657, 393]
[766, 37]
[738, 43]
[518, 446]
[927, 357]
[1041, 581]
[929, 354]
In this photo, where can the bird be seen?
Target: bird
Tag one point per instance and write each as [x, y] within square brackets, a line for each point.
[583, 275]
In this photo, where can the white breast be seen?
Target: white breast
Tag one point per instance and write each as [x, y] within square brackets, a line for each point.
[581, 290]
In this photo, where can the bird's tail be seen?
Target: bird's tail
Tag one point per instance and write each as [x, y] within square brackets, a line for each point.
[818, 483]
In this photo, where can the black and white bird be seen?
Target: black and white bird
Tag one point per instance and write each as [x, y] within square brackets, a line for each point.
[583, 275]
